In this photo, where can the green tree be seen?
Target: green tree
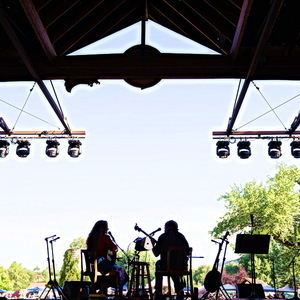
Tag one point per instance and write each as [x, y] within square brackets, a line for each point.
[275, 206]
[19, 277]
[199, 274]
[70, 268]
[5, 283]
[79, 243]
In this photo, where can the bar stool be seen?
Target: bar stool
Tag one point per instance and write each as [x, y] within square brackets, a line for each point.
[139, 274]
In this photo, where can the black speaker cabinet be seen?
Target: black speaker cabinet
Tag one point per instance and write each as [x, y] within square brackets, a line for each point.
[74, 289]
[250, 291]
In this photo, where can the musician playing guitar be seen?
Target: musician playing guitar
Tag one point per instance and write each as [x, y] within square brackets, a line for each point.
[101, 246]
[171, 237]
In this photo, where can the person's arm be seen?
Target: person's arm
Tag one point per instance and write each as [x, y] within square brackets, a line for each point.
[110, 244]
[156, 249]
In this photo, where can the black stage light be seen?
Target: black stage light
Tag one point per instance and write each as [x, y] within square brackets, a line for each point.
[74, 148]
[274, 150]
[23, 149]
[295, 149]
[4, 148]
[223, 150]
[52, 149]
[243, 149]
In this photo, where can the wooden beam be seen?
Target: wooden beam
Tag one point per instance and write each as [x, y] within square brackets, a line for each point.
[240, 28]
[44, 133]
[259, 134]
[39, 28]
[30, 66]
[266, 31]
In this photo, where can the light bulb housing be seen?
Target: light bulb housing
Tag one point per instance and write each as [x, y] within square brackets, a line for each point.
[23, 148]
[295, 148]
[74, 149]
[52, 149]
[223, 150]
[4, 148]
[243, 149]
[274, 149]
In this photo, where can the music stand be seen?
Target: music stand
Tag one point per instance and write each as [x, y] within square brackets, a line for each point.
[252, 244]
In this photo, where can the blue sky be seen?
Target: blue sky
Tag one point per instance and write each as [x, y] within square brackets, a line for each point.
[148, 156]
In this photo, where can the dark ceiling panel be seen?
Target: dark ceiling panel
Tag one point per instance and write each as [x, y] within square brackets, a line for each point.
[37, 35]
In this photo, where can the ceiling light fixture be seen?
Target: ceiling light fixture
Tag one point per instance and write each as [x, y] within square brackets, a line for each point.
[4, 148]
[243, 149]
[295, 149]
[23, 149]
[223, 150]
[74, 149]
[274, 150]
[52, 149]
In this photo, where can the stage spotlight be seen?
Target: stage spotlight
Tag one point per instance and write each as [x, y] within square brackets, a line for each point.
[23, 149]
[223, 150]
[243, 149]
[4, 148]
[274, 150]
[74, 148]
[52, 149]
[295, 149]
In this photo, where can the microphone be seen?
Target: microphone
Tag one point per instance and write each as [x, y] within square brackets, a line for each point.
[111, 236]
[136, 227]
[152, 233]
[215, 241]
[50, 237]
[55, 239]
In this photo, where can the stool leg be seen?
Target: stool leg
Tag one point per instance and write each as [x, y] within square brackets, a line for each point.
[149, 282]
[129, 293]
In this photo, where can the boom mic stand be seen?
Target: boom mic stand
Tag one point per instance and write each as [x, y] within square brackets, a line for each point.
[52, 285]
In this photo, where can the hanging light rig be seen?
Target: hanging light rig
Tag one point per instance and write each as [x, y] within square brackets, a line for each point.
[243, 145]
[52, 149]
[20, 138]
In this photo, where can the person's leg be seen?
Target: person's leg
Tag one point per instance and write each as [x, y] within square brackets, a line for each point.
[158, 279]
[178, 283]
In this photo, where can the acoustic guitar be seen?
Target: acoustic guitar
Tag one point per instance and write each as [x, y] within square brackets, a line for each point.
[111, 256]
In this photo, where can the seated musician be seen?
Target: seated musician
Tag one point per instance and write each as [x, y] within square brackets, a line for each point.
[171, 237]
[99, 245]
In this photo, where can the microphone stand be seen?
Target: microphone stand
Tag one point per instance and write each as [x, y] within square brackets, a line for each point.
[52, 284]
[49, 268]
[125, 254]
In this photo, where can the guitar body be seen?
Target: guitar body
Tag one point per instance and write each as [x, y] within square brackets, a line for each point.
[212, 281]
[111, 256]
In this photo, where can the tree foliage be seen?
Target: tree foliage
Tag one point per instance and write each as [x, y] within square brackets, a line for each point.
[19, 277]
[234, 274]
[275, 206]
[78, 243]
[70, 269]
[199, 274]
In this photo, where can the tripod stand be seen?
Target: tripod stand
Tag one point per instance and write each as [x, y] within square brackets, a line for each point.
[52, 285]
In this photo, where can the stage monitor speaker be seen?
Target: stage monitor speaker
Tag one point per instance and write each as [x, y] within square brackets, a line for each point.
[252, 243]
[74, 289]
[250, 291]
